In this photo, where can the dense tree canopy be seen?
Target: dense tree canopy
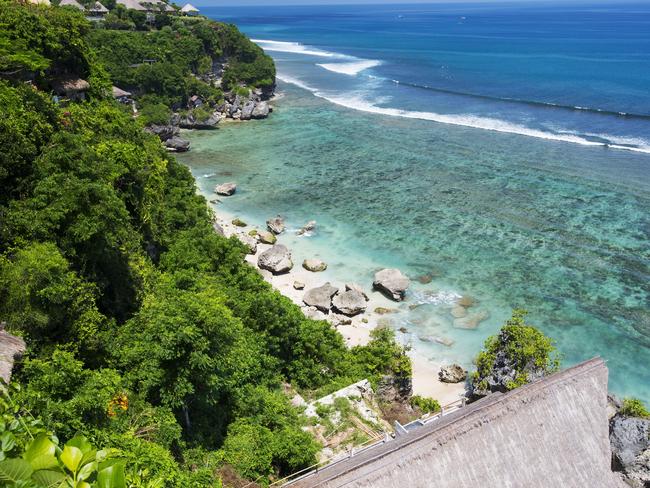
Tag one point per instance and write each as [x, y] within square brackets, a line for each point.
[146, 331]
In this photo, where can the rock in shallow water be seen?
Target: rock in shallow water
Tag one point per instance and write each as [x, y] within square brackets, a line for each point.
[472, 321]
[276, 225]
[314, 265]
[357, 287]
[261, 111]
[226, 189]
[452, 373]
[320, 297]
[392, 283]
[277, 260]
[350, 303]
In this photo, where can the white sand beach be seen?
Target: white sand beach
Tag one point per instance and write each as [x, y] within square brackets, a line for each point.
[425, 371]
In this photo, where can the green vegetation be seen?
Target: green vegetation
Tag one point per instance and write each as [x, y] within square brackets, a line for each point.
[425, 405]
[168, 65]
[633, 407]
[520, 348]
[147, 333]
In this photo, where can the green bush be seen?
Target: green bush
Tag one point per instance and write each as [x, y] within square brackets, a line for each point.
[633, 407]
[425, 405]
[524, 348]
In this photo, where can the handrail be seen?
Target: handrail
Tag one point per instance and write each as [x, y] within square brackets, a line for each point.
[380, 439]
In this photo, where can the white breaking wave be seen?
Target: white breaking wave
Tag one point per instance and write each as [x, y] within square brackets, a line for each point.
[352, 68]
[296, 47]
[468, 120]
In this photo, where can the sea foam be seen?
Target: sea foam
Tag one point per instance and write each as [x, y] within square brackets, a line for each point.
[352, 68]
[296, 47]
[465, 120]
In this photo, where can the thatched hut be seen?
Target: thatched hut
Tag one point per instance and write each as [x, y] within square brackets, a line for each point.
[71, 88]
[71, 3]
[97, 10]
[551, 433]
[189, 9]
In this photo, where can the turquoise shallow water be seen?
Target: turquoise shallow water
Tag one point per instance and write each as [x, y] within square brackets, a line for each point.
[557, 228]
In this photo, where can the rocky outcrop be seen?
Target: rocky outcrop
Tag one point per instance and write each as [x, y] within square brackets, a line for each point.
[320, 297]
[247, 110]
[261, 110]
[314, 265]
[226, 189]
[164, 132]
[191, 121]
[277, 260]
[276, 225]
[392, 283]
[394, 388]
[349, 303]
[629, 438]
[177, 144]
[452, 373]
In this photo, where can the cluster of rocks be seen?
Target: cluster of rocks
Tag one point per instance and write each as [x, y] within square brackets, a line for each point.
[169, 136]
[629, 438]
[234, 106]
[463, 317]
[328, 299]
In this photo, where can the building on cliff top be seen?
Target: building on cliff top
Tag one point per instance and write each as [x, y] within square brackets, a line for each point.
[551, 433]
[71, 3]
[189, 9]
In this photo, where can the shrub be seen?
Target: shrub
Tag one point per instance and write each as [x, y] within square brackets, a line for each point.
[425, 405]
[633, 407]
[520, 348]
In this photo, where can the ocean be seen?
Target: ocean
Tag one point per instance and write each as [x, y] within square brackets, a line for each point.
[503, 150]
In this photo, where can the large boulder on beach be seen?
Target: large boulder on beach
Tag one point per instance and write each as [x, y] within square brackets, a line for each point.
[357, 287]
[277, 260]
[261, 111]
[452, 373]
[247, 110]
[249, 241]
[226, 189]
[313, 313]
[392, 283]
[350, 303]
[314, 265]
[276, 225]
[266, 237]
[177, 144]
[320, 297]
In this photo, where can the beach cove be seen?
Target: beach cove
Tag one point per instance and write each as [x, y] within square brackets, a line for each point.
[481, 214]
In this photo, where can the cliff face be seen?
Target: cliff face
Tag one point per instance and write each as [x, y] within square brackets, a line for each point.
[551, 433]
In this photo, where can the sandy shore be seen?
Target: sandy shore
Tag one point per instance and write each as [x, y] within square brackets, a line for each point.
[425, 371]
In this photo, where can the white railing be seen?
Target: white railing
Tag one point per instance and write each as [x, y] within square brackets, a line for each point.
[373, 442]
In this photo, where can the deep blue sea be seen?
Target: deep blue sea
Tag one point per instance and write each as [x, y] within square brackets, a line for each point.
[503, 149]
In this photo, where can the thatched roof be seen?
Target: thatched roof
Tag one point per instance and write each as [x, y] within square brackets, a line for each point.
[11, 349]
[98, 8]
[188, 7]
[132, 4]
[71, 3]
[551, 433]
[67, 85]
[118, 92]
